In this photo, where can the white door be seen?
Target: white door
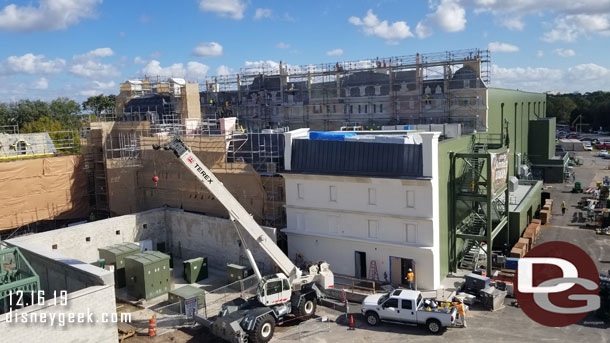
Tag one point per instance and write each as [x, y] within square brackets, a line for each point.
[390, 310]
[408, 311]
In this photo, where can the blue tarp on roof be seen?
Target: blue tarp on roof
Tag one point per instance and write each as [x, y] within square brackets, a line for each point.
[330, 136]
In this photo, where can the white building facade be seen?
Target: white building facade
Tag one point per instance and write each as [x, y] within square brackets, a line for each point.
[357, 221]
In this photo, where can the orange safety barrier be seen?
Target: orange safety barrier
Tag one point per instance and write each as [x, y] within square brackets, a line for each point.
[152, 326]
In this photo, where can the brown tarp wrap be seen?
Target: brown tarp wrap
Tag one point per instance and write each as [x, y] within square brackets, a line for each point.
[41, 189]
[131, 189]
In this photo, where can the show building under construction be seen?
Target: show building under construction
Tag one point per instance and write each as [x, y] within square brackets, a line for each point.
[439, 170]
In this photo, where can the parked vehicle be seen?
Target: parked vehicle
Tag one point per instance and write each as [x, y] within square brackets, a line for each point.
[587, 147]
[603, 132]
[602, 153]
[408, 307]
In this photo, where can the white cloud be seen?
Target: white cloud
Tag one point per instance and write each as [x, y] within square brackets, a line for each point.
[513, 23]
[208, 49]
[139, 60]
[259, 66]
[49, 15]
[41, 83]
[225, 70]
[564, 52]
[580, 78]
[334, 52]
[31, 64]
[282, 45]
[449, 16]
[540, 54]
[572, 19]
[224, 8]
[88, 65]
[371, 25]
[502, 47]
[192, 71]
[262, 13]
[98, 87]
[569, 28]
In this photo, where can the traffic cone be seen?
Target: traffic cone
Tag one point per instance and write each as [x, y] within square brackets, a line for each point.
[152, 326]
[351, 322]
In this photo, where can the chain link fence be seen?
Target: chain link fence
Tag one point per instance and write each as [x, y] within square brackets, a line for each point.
[214, 299]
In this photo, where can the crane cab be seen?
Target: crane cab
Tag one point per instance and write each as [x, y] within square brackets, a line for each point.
[273, 290]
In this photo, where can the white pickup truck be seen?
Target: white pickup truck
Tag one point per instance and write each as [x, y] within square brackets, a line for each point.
[407, 307]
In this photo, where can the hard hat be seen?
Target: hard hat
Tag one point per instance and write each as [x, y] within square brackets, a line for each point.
[410, 270]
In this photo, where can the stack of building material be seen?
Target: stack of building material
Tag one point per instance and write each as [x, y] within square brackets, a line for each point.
[525, 243]
[549, 202]
[517, 252]
[545, 216]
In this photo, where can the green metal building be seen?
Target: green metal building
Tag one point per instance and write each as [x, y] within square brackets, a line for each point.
[516, 125]
[115, 255]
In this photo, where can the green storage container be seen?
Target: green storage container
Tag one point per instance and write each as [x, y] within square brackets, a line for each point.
[115, 255]
[195, 269]
[236, 272]
[148, 274]
[184, 293]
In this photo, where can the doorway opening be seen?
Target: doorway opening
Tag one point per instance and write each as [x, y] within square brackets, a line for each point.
[360, 270]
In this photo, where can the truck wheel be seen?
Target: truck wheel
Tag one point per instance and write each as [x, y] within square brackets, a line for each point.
[434, 326]
[307, 308]
[372, 318]
[263, 330]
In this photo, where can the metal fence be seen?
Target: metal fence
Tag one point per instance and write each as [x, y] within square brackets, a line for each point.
[213, 300]
[353, 285]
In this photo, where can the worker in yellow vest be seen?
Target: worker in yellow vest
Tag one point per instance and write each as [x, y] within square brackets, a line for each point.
[410, 277]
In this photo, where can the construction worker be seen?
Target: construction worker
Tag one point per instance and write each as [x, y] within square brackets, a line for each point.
[457, 302]
[563, 208]
[410, 277]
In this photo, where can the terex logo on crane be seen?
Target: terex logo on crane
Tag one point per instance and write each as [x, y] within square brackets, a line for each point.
[203, 173]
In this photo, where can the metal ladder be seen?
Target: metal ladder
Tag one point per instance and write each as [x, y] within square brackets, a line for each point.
[373, 275]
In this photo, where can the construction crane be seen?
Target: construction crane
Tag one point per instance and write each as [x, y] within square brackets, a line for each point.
[278, 295]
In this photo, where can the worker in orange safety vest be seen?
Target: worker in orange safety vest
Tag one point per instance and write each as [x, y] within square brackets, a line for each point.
[461, 313]
[410, 277]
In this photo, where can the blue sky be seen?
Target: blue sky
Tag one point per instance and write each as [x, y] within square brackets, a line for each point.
[77, 48]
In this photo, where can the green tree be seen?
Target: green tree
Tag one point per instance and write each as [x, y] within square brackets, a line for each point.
[66, 112]
[26, 111]
[42, 124]
[561, 107]
[100, 104]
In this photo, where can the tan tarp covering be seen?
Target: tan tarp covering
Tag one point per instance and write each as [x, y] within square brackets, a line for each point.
[41, 189]
[131, 189]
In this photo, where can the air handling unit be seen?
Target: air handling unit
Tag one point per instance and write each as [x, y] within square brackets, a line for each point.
[195, 269]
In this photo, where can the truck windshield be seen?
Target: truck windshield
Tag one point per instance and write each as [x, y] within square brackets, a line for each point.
[382, 299]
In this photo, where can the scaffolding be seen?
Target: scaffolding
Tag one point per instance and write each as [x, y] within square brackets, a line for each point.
[480, 200]
[415, 89]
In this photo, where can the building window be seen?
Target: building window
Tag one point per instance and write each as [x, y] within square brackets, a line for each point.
[411, 233]
[351, 109]
[374, 108]
[410, 199]
[380, 108]
[366, 108]
[373, 228]
[21, 148]
[372, 196]
[359, 108]
[333, 193]
[300, 191]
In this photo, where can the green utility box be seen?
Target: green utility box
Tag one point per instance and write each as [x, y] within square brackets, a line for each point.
[236, 272]
[195, 269]
[115, 255]
[148, 274]
[185, 293]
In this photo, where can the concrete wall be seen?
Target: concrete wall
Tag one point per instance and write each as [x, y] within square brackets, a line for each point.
[97, 300]
[72, 241]
[194, 235]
